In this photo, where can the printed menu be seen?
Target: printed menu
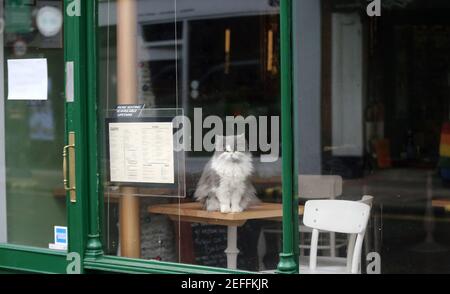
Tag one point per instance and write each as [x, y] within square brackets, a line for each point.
[141, 152]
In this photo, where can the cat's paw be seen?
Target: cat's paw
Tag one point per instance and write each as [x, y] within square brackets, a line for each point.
[225, 209]
[236, 209]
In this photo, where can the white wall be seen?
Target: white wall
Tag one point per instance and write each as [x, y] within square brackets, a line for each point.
[307, 83]
[347, 85]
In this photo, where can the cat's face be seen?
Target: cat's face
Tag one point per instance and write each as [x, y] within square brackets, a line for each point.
[232, 148]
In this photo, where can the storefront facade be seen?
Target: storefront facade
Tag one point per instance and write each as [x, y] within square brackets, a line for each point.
[93, 181]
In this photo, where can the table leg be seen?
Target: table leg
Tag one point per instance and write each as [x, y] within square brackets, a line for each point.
[232, 251]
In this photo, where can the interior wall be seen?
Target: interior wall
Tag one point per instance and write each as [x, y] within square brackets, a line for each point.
[307, 83]
[347, 85]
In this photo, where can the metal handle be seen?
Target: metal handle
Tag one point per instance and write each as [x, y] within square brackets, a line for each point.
[69, 153]
[66, 181]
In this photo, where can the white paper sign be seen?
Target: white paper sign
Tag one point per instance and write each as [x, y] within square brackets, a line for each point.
[27, 79]
[141, 152]
[70, 92]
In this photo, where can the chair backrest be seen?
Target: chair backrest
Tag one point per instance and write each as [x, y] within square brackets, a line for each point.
[319, 186]
[340, 216]
[367, 199]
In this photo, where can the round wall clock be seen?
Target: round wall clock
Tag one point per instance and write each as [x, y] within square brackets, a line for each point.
[49, 21]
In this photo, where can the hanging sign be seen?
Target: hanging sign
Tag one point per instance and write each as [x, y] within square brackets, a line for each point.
[142, 152]
[27, 79]
[129, 110]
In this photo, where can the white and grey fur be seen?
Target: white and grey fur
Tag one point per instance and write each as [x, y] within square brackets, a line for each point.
[225, 184]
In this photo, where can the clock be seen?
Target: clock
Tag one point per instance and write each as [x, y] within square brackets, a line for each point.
[49, 21]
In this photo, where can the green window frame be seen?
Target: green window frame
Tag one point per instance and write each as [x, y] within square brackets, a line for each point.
[85, 215]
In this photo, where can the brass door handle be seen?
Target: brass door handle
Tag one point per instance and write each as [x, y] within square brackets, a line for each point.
[69, 154]
[65, 155]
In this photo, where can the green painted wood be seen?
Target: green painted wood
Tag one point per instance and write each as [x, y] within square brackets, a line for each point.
[94, 245]
[288, 260]
[295, 144]
[136, 266]
[31, 259]
[38, 260]
[75, 44]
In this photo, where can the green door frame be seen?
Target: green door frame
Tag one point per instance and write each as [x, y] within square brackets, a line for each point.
[75, 51]
[289, 258]
[84, 215]
[41, 260]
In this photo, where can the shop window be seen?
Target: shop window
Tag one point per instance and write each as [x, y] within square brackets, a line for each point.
[198, 59]
[32, 198]
[373, 113]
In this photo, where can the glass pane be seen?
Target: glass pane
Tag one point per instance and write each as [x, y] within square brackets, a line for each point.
[32, 199]
[209, 60]
[374, 120]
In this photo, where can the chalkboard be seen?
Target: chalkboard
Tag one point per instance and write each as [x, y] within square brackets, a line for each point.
[210, 241]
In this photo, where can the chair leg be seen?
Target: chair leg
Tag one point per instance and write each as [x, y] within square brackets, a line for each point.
[302, 250]
[350, 250]
[313, 252]
[367, 243]
[333, 244]
[357, 253]
[262, 250]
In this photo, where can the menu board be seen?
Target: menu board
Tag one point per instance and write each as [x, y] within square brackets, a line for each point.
[141, 152]
[210, 241]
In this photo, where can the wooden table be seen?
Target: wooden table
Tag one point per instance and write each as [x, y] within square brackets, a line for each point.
[194, 212]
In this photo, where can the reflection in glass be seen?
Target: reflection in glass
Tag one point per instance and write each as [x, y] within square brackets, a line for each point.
[374, 113]
[212, 58]
[32, 198]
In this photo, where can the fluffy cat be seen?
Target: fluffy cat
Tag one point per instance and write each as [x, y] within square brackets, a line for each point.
[225, 182]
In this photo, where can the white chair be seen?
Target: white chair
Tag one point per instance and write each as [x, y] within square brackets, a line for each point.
[339, 216]
[338, 261]
[366, 199]
[312, 187]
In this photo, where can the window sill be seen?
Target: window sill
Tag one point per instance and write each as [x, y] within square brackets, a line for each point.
[32, 259]
[138, 266]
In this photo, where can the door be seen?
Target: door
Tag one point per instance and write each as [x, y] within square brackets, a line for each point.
[35, 123]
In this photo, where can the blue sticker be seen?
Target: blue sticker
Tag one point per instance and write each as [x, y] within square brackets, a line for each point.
[61, 235]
